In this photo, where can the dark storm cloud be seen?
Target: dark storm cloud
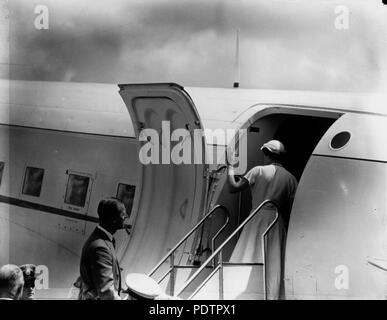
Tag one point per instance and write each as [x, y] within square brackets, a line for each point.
[284, 44]
[74, 43]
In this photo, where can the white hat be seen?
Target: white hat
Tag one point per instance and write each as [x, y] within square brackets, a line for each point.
[274, 146]
[143, 285]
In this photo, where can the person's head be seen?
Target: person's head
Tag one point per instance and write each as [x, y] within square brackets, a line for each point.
[11, 282]
[274, 151]
[29, 275]
[112, 214]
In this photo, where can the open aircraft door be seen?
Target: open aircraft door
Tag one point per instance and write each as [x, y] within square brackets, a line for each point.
[169, 194]
[337, 237]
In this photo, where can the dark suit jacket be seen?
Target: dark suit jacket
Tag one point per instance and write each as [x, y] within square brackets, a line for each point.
[99, 268]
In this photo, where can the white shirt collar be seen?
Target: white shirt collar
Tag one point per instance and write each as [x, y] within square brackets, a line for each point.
[107, 232]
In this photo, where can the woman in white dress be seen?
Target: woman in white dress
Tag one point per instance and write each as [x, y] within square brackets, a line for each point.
[270, 181]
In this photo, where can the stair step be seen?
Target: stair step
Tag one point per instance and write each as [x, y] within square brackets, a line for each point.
[240, 281]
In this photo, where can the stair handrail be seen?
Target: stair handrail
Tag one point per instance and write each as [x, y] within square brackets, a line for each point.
[264, 252]
[172, 251]
[219, 249]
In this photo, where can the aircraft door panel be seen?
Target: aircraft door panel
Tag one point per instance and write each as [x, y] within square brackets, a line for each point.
[171, 186]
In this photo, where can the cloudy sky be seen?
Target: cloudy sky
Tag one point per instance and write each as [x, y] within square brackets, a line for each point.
[284, 44]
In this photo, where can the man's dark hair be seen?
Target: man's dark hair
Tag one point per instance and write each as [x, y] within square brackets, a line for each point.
[109, 208]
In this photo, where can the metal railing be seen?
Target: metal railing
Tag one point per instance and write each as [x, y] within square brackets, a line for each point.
[219, 251]
[171, 253]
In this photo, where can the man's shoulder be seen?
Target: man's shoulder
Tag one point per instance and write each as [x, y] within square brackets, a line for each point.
[97, 243]
[97, 248]
[96, 240]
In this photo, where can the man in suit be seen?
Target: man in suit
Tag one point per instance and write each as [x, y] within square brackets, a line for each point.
[99, 268]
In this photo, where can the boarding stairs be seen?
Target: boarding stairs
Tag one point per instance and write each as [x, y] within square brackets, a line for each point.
[216, 279]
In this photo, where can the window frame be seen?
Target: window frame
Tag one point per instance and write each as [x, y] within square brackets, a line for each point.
[134, 195]
[24, 180]
[73, 207]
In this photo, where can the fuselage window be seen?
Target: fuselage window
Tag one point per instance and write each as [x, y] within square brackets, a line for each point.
[33, 180]
[340, 140]
[2, 164]
[125, 192]
[76, 190]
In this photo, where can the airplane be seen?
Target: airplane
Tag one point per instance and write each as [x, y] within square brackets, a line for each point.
[64, 146]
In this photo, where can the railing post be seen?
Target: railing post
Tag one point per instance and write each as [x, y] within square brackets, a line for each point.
[215, 261]
[264, 267]
[221, 278]
[264, 254]
[172, 277]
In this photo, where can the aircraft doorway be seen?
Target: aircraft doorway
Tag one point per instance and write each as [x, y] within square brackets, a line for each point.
[300, 133]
